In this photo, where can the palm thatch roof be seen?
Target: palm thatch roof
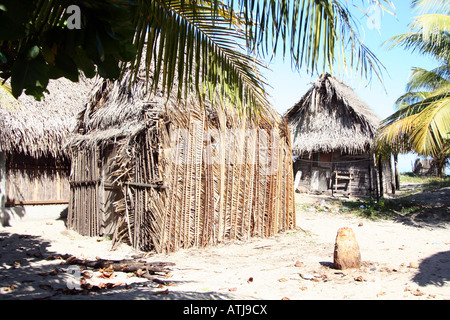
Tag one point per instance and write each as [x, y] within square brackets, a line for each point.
[39, 128]
[330, 117]
[118, 110]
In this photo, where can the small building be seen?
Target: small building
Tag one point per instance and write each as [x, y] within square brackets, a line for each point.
[34, 167]
[425, 167]
[332, 134]
[162, 174]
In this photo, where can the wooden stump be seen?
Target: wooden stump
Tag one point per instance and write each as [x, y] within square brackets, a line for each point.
[346, 250]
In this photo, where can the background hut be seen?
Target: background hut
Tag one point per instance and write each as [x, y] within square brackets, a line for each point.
[34, 166]
[425, 167]
[333, 132]
[164, 175]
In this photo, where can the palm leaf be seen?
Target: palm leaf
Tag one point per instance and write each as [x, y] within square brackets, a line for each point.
[431, 5]
[405, 100]
[209, 46]
[433, 27]
[321, 32]
[432, 125]
[414, 41]
[422, 79]
[191, 44]
[423, 115]
[425, 123]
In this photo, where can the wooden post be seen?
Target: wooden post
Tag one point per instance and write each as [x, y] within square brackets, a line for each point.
[380, 175]
[375, 178]
[397, 177]
[335, 181]
[2, 182]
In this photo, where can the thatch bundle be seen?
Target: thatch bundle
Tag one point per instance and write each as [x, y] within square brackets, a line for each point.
[39, 128]
[184, 174]
[330, 117]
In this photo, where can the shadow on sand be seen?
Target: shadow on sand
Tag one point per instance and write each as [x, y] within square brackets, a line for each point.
[434, 270]
[29, 270]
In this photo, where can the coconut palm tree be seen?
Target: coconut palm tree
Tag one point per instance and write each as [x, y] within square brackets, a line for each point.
[211, 46]
[422, 119]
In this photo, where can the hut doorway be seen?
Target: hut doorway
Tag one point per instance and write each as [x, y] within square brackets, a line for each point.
[321, 167]
[94, 192]
[112, 192]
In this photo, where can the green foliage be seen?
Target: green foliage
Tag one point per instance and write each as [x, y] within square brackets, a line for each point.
[383, 209]
[402, 205]
[410, 177]
[426, 183]
[208, 47]
[36, 45]
[422, 121]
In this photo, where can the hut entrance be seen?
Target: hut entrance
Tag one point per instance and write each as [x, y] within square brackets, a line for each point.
[321, 167]
[144, 204]
[112, 192]
[94, 191]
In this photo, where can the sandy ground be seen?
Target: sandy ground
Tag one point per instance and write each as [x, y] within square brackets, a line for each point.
[401, 260]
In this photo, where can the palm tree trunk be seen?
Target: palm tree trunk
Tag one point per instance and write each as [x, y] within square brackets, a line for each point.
[440, 163]
[396, 173]
[380, 177]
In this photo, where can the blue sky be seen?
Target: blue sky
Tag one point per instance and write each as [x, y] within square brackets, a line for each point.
[288, 86]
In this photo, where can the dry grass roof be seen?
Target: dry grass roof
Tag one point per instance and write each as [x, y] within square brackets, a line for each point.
[117, 110]
[331, 117]
[39, 128]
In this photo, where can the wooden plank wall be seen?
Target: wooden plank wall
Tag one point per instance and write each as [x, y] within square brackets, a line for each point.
[36, 183]
[363, 181]
[86, 201]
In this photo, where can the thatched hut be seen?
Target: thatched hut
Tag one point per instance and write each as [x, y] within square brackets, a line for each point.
[425, 167]
[163, 174]
[34, 164]
[332, 134]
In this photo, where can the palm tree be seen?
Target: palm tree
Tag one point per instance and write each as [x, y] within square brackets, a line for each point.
[422, 119]
[211, 46]
[227, 41]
